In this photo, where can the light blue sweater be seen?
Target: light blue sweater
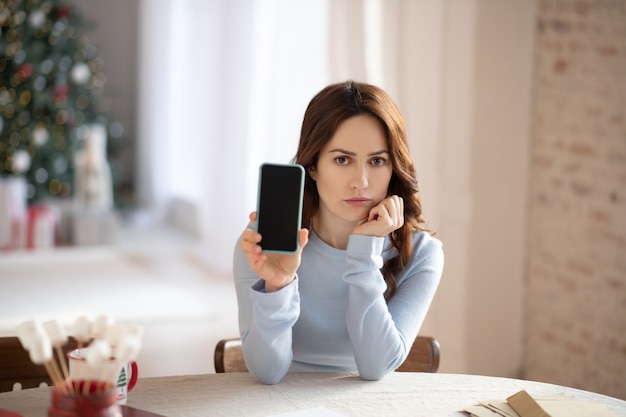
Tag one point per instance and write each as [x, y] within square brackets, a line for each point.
[333, 316]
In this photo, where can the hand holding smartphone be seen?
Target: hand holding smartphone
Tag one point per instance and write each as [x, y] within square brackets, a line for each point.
[279, 207]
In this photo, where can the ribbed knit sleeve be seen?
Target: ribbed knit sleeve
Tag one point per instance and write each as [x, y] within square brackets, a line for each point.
[382, 333]
[265, 322]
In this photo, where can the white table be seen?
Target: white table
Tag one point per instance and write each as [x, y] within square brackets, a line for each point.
[240, 394]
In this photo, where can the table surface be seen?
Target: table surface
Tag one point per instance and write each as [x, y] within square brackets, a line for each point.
[240, 394]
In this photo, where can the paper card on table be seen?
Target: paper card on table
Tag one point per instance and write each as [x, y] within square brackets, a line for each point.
[555, 405]
[575, 408]
[494, 408]
[500, 407]
[311, 412]
[561, 405]
[480, 411]
[525, 406]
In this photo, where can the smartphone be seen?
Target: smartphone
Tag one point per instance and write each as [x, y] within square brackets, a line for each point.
[279, 207]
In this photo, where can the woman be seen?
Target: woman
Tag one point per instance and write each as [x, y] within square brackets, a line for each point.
[356, 293]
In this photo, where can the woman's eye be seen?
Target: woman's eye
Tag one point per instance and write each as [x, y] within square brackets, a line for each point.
[341, 160]
[378, 161]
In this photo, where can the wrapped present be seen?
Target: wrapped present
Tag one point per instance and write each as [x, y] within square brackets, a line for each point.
[13, 212]
[41, 227]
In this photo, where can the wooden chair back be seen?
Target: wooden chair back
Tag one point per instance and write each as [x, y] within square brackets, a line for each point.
[423, 357]
[228, 356]
[16, 366]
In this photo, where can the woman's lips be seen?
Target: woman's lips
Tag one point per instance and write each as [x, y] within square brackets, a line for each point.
[358, 201]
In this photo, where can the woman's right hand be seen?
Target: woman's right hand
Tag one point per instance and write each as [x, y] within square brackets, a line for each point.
[276, 269]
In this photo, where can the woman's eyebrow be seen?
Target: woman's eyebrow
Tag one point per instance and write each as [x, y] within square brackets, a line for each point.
[339, 150]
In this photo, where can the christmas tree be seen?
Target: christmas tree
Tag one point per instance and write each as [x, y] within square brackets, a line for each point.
[51, 88]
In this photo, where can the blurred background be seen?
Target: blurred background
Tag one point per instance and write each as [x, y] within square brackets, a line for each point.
[516, 115]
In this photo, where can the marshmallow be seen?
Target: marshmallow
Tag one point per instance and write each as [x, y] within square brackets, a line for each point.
[128, 349]
[56, 333]
[81, 329]
[28, 332]
[100, 326]
[114, 334]
[97, 353]
[40, 350]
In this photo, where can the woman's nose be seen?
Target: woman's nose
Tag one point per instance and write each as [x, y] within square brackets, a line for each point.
[359, 178]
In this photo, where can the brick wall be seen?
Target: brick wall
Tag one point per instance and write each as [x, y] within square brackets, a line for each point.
[575, 331]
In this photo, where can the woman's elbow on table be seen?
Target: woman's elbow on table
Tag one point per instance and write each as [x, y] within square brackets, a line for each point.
[373, 374]
[268, 378]
[272, 380]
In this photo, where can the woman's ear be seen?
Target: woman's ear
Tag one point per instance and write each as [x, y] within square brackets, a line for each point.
[312, 172]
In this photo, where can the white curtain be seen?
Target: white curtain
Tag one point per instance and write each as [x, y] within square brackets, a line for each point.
[224, 85]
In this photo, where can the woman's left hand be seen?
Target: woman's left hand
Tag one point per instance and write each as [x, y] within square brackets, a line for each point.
[384, 218]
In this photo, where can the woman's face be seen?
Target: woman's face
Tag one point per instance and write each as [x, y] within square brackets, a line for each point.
[353, 170]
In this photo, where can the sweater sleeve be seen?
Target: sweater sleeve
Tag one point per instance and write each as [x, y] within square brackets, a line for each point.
[265, 322]
[382, 332]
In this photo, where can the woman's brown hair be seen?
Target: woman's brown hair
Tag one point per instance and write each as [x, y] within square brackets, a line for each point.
[326, 111]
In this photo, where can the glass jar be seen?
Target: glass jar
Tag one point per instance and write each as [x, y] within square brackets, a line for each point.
[97, 400]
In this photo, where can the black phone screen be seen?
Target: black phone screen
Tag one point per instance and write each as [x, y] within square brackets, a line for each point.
[279, 208]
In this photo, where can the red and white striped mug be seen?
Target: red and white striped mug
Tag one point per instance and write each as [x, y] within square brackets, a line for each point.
[123, 376]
